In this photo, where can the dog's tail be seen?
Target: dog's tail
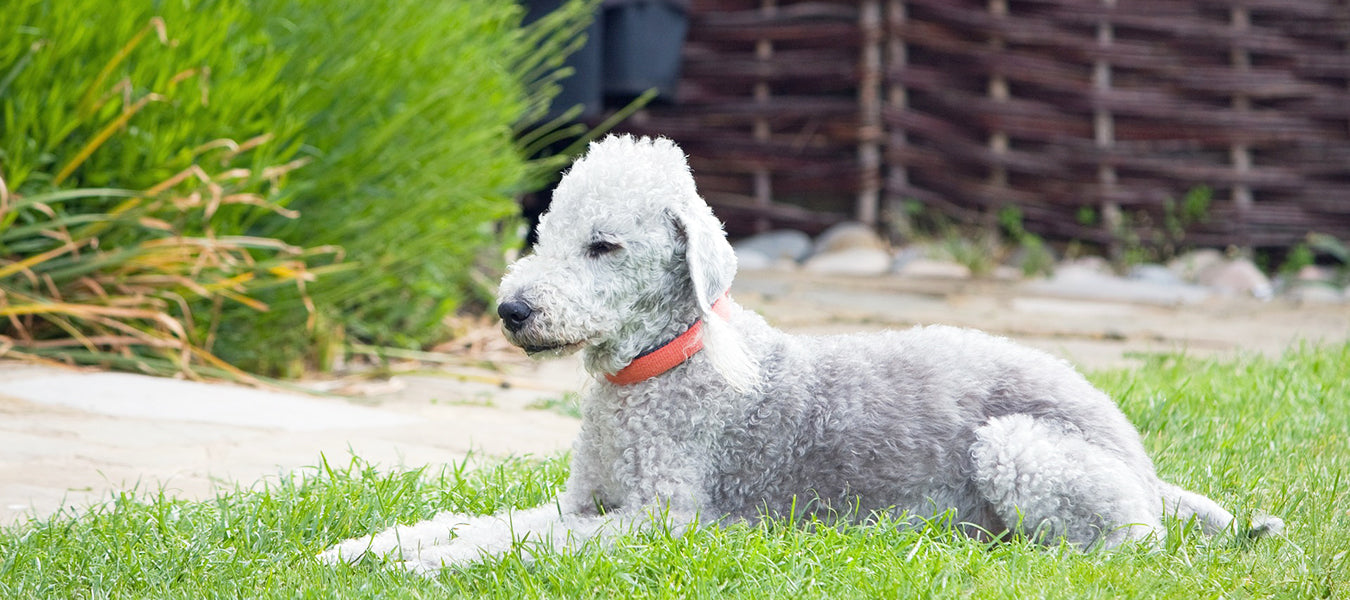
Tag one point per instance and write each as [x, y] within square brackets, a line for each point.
[1185, 505]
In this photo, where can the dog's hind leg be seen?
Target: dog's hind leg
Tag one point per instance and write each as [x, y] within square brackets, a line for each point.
[1185, 505]
[1045, 480]
[1212, 518]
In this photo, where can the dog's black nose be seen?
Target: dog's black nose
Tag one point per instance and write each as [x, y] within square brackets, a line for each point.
[514, 314]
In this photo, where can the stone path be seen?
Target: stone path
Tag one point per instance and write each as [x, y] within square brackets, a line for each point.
[71, 438]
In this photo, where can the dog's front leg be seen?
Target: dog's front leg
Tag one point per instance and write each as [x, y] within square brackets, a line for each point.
[479, 538]
[666, 492]
[459, 538]
[534, 532]
[401, 538]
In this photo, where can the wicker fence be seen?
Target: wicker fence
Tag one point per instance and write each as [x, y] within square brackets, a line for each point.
[1094, 117]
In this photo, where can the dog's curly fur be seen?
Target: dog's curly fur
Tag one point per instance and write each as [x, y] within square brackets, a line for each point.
[930, 421]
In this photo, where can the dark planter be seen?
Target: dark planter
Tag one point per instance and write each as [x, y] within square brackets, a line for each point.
[643, 40]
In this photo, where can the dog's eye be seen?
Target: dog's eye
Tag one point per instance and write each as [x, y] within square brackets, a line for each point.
[600, 248]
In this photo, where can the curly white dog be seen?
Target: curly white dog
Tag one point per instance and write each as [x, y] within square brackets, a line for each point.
[700, 408]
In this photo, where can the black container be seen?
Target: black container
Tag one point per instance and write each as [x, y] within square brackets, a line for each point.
[642, 44]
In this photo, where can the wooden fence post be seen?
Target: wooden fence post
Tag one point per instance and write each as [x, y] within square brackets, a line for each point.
[869, 109]
[763, 183]
[1104, 136]
[1240, 153]
[897, 96]
[999, 92]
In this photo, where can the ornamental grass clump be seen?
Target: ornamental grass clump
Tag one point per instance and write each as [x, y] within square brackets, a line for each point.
[151, 302]
[387, 134]
[412, 122]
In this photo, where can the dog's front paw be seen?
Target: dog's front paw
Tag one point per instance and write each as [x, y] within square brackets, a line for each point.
[400, 542]
[428, 561]
[352, 550]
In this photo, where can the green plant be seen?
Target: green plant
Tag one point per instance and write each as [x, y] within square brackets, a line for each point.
[1333, 247]
[128, 94]
[403, 115]
[137, 279]
[415, 163]
[1193, 209]
[1143, 236]
[1329, 245]
[1036, 257]
[977, 250]
[152, 303]
[1299, 256]
[1086, 216]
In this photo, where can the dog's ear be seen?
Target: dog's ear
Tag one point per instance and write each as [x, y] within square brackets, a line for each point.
[710, 258]
[712, 265]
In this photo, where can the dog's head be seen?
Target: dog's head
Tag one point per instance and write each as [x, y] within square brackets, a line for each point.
[628, 256]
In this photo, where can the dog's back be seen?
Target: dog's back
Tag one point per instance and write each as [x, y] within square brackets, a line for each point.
[887, 420]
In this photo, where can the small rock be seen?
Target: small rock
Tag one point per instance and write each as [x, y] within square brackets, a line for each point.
[932, 268]
[846, 236]
[904, 255]
[777, 245]
[852, 261]
[1082, 270]
[1007, 273]
[1316, 293]
[1188, 266]
[1095, 264]
[1315, 273]
[748, 259]
[1155, 273]
[1084, 281]
[1238, 277]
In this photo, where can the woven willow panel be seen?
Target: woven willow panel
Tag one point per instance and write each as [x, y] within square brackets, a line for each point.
[1094, 117]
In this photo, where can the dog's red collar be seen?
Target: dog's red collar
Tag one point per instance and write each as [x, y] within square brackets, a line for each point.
[671, 354]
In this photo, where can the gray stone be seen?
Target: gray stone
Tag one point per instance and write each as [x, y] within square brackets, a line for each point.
[846, 236]
[1007, 273]
[749, 259]
[1078, 270]
[907, 254]
[1316, 273]
[1237, 277]
[1316, 293]
[851, 261]
[1085, 281]
[1155, 273]
[1189, 265]
[777, 245]
[932, 268]
[1095, 264]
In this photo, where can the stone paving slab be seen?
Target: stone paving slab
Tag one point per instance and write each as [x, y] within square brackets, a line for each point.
[73, 438]
[132, 396]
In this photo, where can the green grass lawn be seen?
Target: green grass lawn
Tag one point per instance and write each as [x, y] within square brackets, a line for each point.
[1254, 434]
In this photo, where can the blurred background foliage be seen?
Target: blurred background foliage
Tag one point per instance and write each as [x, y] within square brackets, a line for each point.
[260, 182]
